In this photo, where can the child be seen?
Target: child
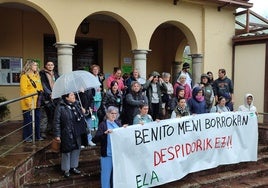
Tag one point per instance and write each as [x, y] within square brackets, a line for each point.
[143, 116]
[181, 109]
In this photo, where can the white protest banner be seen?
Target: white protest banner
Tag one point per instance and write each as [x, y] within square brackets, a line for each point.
[160, 152]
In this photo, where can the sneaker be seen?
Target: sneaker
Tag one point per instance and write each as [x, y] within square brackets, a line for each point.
[28, 140]
[75, 171]
[83, 147]
[91, 143]
[43, 135]
[67, 174]
[40, 139]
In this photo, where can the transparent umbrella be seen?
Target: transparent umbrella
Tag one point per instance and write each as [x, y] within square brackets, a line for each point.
[74, 81]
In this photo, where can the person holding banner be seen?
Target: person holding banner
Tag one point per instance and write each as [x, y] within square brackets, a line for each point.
[102, 135]
[181, 109]
[248, 104]
[220, 107]
[143, 116]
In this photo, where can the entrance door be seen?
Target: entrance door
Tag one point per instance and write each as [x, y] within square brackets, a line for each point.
[85, 53]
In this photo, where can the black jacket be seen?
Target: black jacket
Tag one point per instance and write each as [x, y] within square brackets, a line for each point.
[67, 126]
[111, 99]
[131, 105]
[45, 83]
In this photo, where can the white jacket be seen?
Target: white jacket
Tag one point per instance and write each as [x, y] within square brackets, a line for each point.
[246, 107]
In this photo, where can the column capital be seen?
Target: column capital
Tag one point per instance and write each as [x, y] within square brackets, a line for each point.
[64, 45]
[140, 51]
[196, 55]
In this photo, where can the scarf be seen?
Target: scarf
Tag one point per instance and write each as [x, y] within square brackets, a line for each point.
[50, 77]
[76, 112]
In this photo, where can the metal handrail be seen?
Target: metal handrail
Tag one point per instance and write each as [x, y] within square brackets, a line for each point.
[262, 113]
[16, 130]
[17, 99]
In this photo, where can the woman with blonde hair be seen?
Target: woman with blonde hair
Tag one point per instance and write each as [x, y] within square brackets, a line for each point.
[30, 83]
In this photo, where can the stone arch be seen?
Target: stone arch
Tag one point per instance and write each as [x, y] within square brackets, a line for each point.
[191, 40]
[124, 23]
[40, 10]
[174, 36]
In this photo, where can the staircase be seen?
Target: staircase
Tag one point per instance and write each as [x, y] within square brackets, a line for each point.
[243, 175]
[48, 172]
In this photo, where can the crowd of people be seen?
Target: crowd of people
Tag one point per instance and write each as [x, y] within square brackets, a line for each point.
[126, 101]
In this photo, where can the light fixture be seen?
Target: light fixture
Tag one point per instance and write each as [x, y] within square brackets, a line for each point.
[84, 26]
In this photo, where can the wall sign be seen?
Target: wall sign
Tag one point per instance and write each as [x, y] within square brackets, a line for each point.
[10, 69]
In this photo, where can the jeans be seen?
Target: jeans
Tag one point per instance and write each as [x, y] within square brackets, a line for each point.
[89, 123]
[27, 123]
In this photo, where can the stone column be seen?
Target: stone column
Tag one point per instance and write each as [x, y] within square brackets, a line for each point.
[197, 60]
[140, 57]
[65, 57]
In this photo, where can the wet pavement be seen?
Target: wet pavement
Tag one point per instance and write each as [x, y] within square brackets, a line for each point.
[22, 150]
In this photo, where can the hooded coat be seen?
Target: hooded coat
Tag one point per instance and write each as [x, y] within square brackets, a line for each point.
[195, 106]
[246, 107]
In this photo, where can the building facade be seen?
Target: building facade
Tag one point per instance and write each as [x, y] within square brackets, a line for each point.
[149, 35]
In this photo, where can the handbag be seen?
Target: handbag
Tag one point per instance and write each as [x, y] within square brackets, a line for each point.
[40, 96]
[55, 145]
[40, 99]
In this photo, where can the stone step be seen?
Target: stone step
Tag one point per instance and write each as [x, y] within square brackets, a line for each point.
[49, 154]
[75, 181]
[245, 174]
[48, 172]
[251, 176]
[52, 176]
[259, 182]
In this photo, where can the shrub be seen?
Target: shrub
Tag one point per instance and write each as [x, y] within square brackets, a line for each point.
[4, 110]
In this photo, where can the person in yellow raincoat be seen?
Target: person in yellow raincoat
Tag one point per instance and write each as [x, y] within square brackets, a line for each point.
[30, 83]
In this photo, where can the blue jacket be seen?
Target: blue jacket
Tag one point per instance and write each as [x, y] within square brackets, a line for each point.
[195, 106]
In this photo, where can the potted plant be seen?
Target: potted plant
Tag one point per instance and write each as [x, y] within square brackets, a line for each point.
[4, 110]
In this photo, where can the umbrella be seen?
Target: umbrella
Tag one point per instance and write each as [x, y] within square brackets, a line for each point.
[74, 81]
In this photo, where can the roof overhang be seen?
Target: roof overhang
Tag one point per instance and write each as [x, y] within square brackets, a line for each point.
[249, 38]
[221, 3]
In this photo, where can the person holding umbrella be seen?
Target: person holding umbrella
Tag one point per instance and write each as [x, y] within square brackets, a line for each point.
[70, 130]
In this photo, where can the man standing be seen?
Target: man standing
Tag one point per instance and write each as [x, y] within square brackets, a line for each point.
[223, 86]
[48, 77]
